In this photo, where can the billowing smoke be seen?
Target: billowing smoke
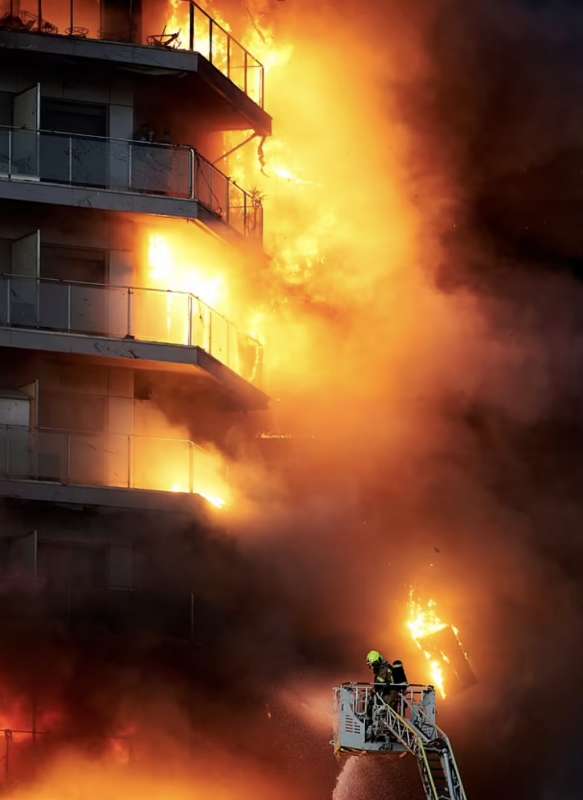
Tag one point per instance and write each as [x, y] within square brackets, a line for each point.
[422, 313]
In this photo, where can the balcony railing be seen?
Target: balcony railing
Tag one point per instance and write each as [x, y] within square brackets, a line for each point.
[124, 165]
[184, 26]
[125, 312]
[106, 460]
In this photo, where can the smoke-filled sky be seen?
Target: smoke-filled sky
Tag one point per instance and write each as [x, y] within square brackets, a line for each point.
[423, 316]
[441, 374]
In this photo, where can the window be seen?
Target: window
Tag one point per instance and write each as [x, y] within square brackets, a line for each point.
[65, 566]
[14, 408]
[69, 116]
[119, 19]
[73, 264]
[120, 567]
[81, 159]
[5, 108]
[5, 255]
[74, 412]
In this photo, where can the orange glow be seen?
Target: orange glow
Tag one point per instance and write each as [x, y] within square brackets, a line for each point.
[333, 229]
[193, 292]
[170, 268]
[179, 22]
[209, 490]
[209, 479]
[218, 777]
[336, 221]
[17, 712]
[217, 502]
[174, 464]
[423, 620]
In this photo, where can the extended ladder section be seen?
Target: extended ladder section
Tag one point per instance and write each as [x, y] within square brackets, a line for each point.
[400, 720]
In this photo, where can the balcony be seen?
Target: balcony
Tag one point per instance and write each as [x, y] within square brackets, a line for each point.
[132, 315]
[123, 175]
[179, 36]
[107, 461]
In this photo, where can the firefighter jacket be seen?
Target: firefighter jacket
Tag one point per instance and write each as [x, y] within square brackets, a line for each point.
[382, 672]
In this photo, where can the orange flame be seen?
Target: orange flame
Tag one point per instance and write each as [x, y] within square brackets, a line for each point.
[423, 621]
[170, 268]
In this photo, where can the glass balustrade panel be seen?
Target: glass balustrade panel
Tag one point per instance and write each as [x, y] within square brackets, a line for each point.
[99, 459]
[160, 316]
[161, 464]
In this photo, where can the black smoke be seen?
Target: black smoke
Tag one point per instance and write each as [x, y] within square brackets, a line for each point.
[499, 117]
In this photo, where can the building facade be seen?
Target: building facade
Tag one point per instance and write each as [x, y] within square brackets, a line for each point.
[111, 116]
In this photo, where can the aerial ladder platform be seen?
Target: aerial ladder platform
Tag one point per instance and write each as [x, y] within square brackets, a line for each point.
[395, 720]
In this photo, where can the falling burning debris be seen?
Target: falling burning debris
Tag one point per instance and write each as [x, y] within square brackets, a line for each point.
[423, 622]
[449, 666]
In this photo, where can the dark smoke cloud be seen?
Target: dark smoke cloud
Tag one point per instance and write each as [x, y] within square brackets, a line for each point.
[500, 116]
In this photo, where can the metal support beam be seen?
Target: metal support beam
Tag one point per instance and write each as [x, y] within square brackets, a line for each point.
[234, 149]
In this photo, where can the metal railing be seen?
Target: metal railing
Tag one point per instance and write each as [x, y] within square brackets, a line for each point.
[126, 312]
[112, 460]
[214, 42]
[125, 165]
[410, 701]
[185, 26]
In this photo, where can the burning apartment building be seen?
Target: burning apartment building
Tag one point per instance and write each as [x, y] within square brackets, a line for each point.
[112, 116]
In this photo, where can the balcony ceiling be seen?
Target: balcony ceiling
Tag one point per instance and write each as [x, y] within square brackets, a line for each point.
[179, 74]
[116, 201]
[200, 370]
[103, 496]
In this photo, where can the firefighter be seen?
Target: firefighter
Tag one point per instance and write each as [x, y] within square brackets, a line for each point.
[382, 671]
[383, 677]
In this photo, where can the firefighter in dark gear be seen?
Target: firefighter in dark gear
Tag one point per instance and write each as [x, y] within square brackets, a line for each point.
[382, 671]
[383, 677]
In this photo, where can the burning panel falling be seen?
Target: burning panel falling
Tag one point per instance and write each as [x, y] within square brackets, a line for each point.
[449, 666]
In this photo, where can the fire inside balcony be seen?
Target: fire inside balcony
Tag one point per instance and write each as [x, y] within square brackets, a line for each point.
[124, 312]
[178, 25]
[110, 460]
[131, 167]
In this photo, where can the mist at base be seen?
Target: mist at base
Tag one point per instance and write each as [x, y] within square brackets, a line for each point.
[392, 779]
